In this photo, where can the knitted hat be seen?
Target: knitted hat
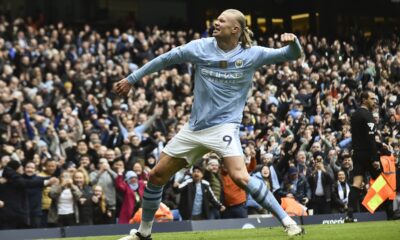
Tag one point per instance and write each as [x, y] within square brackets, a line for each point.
[129, 175]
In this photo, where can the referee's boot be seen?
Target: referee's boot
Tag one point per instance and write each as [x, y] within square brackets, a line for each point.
[294, 230]
[348, 219]
[135, 235]
[349, 216]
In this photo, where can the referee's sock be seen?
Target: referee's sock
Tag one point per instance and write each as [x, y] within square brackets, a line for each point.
[354, 200]
[151, 202]
[259, 191]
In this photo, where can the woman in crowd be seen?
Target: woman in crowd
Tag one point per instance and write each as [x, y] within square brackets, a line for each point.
[138, 169]
[133, 189]
[340, 193]
[85, 204]
[64, 206]
[101, 213]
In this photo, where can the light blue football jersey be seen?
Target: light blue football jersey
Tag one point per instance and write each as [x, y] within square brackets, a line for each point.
[222, 79]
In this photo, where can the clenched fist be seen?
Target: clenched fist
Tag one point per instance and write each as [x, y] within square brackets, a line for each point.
[288, 37]
[122, 87]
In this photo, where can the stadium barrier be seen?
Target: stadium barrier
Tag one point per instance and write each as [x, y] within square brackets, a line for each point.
[182, 226]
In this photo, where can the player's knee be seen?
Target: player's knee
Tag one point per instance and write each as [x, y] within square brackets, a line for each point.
[157, 178]
[357, 181]
[240, 180]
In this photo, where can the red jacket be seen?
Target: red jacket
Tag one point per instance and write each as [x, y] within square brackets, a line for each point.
[128, 205]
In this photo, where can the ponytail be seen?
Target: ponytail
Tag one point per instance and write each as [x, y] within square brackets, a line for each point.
[245, 38]
[246, 35]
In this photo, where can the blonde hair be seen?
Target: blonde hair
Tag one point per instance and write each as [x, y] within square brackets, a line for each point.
[84, 173]
[102, 200]
[246, 34]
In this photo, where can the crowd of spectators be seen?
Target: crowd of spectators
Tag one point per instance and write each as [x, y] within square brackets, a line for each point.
[73, 152]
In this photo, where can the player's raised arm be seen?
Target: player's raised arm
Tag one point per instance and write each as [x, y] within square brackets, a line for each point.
[290, 52]
[175, 56]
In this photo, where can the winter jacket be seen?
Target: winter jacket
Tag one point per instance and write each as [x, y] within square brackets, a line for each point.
[188, 192]
[129, 203]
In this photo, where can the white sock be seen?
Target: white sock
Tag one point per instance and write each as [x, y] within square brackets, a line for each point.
[288, 221]
[145, 228]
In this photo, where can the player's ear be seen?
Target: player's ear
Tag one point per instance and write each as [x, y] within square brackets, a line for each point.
[235, 29]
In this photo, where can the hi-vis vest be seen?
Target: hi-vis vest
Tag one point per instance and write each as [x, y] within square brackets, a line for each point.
[389, 173]
[384, 187]
[163, 214]
[292, 207]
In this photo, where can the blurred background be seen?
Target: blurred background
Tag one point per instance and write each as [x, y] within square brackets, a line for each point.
[330, 18]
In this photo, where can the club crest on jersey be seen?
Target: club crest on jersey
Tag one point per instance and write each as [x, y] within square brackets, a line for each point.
[223, 64]
[239, 63]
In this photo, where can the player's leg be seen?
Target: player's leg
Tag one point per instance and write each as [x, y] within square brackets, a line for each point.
[360, 166]
[180, 150]
[354, 198]
[158, 177]
[224, 140]
[260, 192]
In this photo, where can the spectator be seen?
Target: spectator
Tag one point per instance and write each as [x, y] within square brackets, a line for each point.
[64, 206]
[142, 175]
[118, 165]
[235, 197]
[3, 191]
[340, 193]
[75, 153]
[212, 175]
[34, 195]
[196, 195]
[49, 170]
[347, 164]
[85, 163]
[296, 186]
[16, 208]
[263, 172]
[132, 188]
[301, 162]
[321, 187]
[101, 215]
[85, 204]
[105, 178]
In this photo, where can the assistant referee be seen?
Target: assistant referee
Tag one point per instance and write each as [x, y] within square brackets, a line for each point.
[365, 150]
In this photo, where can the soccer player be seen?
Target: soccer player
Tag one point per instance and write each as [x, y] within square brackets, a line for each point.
[225, 64]
[365, 150]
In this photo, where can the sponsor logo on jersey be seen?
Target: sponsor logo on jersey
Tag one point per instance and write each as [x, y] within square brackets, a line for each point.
[371, 126]
[221, 75]
[223, 64]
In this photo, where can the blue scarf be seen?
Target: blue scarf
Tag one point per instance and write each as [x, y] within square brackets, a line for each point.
[134, 187]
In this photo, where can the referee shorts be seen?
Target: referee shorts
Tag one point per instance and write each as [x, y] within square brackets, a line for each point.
[191, 145]
[362, 163]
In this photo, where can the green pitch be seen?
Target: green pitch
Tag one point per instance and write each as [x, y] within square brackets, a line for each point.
[357, 231]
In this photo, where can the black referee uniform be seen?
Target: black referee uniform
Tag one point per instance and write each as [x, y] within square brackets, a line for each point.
[365, 153]
[364, 146]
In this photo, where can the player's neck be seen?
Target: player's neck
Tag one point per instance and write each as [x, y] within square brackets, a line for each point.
[365, 107]
[227, 45]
